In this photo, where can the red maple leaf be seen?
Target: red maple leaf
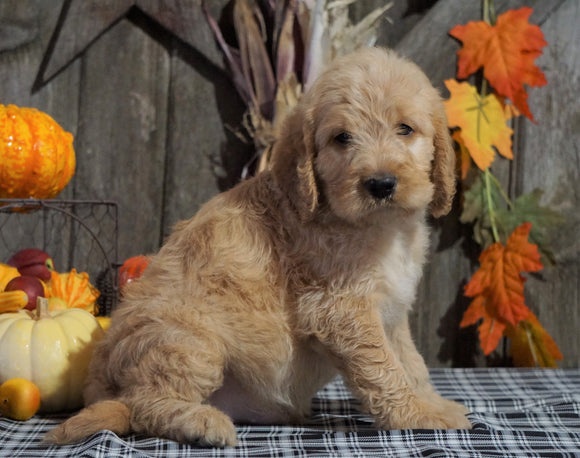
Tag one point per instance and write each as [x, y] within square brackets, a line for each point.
[506, 51]
[498, 286]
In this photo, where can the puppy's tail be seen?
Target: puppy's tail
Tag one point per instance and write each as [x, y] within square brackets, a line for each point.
[111, 415]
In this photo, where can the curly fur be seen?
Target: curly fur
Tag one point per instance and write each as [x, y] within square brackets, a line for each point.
[297, 274]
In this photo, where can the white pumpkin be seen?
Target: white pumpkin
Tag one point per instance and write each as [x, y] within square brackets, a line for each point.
[52, 349]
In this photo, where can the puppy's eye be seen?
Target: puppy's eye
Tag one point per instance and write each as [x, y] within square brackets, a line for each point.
[404, 129]
[343, 138]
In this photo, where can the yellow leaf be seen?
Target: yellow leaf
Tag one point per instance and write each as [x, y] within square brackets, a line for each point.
[482, 122]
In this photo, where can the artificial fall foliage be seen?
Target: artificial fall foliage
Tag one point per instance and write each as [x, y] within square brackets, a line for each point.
[531, 345]
[483, 207]
[498, 287]
[482, 123]
[506, 51]
[514, 235]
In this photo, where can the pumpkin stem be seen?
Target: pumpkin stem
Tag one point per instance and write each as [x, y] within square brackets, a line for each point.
[42, 308]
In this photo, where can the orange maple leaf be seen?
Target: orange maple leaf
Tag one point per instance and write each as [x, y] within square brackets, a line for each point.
[506, 51]
[482, 120]
[531, 345]
[491, 328]
[498, 286]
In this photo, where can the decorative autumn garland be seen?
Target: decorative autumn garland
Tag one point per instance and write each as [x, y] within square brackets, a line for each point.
[514, 235]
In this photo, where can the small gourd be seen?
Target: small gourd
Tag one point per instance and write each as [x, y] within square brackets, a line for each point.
[7, 273]
[75, 288]
[37, 158]
[132, 269]
[52, 350]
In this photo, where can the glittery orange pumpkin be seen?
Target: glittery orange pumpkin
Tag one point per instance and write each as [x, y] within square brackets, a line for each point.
[37, 158]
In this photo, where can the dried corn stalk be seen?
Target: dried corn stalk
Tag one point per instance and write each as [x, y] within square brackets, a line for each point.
[281, 47]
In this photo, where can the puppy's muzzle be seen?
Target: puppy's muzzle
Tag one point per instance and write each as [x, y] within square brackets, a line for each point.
[382, 187]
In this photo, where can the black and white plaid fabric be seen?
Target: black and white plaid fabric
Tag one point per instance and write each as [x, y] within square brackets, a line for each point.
[514, 412]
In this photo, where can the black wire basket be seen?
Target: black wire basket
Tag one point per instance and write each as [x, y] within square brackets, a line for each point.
[80, 234]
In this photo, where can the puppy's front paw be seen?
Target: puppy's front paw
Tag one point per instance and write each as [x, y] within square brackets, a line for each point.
[456, 407]
[454, 415]
[208, 426]
[424, 414]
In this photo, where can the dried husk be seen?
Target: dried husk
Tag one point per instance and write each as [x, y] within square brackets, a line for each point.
[275, 62]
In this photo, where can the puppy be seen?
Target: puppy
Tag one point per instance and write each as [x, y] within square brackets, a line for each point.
[307, 270]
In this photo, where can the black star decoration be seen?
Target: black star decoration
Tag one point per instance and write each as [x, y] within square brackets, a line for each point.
[74, 33]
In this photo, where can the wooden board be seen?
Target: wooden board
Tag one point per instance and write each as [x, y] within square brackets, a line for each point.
[551, 162]
[122, 131]
[203, 156]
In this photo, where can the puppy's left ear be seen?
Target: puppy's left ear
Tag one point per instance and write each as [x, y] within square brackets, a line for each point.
[443, 168]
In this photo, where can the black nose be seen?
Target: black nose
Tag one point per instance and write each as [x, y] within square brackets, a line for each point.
[381, 187]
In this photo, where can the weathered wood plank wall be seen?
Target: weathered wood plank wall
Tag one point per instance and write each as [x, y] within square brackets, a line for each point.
[148, 105]
[551, 161]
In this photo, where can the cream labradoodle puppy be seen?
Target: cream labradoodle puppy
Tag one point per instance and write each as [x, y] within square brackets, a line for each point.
[302, 272]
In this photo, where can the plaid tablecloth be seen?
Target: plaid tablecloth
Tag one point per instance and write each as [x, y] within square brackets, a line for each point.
[514, 412]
